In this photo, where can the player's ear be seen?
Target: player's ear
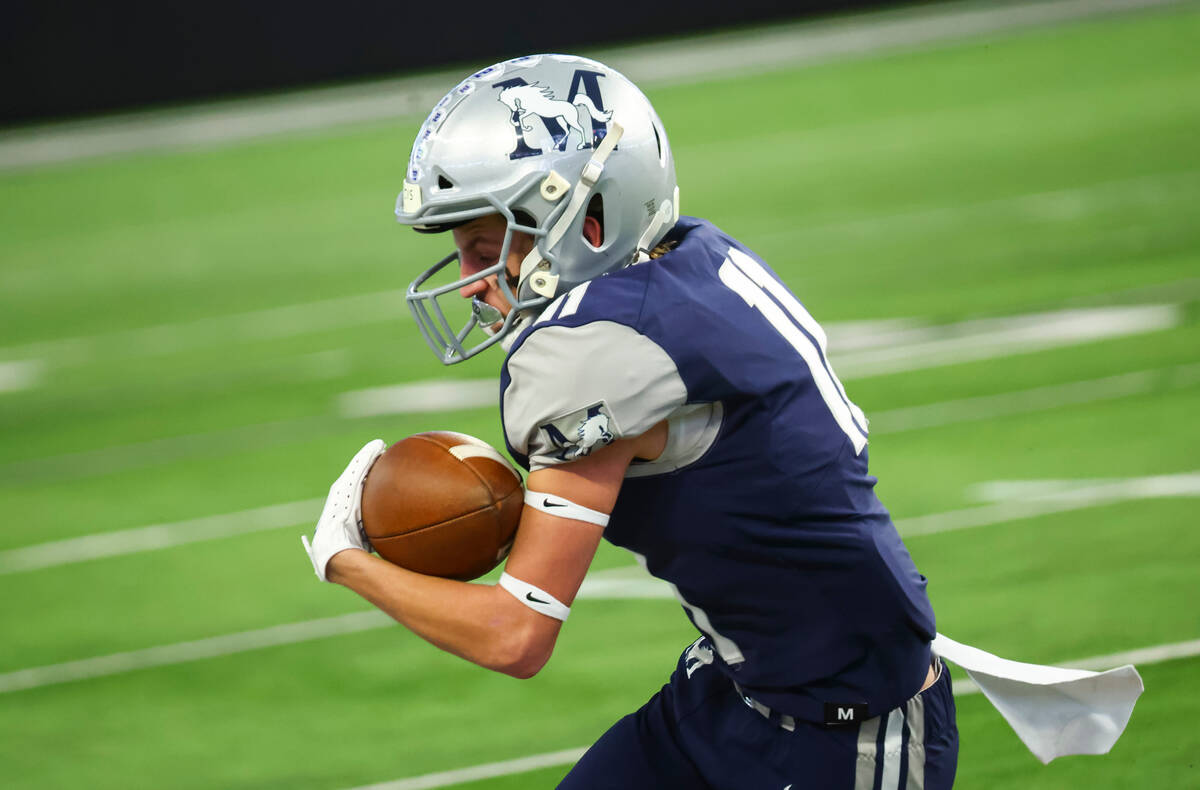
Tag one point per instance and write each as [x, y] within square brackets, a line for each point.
[593, 232]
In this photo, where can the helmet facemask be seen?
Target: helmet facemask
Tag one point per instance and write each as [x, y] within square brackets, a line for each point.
[426, 301]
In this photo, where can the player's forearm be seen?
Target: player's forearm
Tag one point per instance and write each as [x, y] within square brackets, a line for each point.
[478, 622]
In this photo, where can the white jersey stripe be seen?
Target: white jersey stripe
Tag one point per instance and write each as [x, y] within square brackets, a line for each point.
[574, 297]
[915, 716]
[726, 648]
[737, 280]
[761, 277]
[893, 749]
[548, 313]
[864, 773]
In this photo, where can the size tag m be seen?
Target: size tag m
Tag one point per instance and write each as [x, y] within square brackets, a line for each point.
[845, 713]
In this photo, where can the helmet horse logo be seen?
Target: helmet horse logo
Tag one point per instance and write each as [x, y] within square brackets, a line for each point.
[560, 117]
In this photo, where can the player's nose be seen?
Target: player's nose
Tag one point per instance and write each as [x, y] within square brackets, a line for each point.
[473, 289]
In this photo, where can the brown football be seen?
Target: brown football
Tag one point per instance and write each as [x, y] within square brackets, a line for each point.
[442, 503]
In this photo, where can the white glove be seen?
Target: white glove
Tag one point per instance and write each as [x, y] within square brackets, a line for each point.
[340, 525]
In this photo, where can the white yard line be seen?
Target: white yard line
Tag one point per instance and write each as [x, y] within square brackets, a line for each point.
[932, 415]
[21, 375]
[137, 539]
[631, 581]
[155, 452]
[1067, 203]
[182, 652]
[871, 348]
[486, 771]
[968, 341]
[384, 306]
[859, 349]
[1144, 655]
[655, 64]
[420, 397]
[770, 48]
[158, 536]
[271, 323]
[614, 583]
[996, 491]
[1060, 501]
[876, 348]
[964, 687]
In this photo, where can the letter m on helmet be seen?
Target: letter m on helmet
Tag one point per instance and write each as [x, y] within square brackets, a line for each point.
[589, 81]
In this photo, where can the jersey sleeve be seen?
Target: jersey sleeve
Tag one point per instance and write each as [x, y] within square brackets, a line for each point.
[573, 389]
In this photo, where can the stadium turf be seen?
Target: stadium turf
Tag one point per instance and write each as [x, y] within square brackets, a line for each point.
[188, 321]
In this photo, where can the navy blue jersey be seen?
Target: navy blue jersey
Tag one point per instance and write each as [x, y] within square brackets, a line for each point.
[761, 514]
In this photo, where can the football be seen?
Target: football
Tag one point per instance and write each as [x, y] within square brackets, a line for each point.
[443, 504]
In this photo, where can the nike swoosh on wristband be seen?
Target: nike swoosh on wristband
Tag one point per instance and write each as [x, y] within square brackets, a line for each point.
[548, 503]
[529, 597]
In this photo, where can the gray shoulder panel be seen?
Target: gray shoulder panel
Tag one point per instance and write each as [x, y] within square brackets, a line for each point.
[574, 388]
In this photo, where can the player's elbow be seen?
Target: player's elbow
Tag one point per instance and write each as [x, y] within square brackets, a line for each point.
[525, 667]
[523, 651]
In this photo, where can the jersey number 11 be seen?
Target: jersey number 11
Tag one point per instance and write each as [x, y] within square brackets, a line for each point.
[751, 281]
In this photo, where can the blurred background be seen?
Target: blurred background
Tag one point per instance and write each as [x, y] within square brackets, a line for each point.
[72, 58]
[991, 207]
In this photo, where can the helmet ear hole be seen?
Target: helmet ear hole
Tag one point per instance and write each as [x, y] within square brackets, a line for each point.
[445, 183]
[595, 210]
[656, 125]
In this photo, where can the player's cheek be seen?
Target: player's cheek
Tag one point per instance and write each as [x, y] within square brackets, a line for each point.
[521, 246]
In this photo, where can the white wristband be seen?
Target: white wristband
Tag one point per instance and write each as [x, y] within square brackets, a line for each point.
[565, 508]
[536, 599]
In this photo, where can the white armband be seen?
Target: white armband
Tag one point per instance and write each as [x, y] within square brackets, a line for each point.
[557, 506]
[536, 599]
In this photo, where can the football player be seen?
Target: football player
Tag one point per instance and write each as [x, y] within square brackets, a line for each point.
[667, 393]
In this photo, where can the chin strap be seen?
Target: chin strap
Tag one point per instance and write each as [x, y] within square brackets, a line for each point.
[518, 326]
[544, 283]
[485, 314]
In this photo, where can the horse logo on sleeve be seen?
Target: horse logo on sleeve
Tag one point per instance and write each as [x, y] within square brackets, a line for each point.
[577, 434]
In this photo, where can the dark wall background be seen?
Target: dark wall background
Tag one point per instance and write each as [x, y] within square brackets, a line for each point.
[70, 57]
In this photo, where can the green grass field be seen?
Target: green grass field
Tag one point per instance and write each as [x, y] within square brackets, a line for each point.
[191, 319]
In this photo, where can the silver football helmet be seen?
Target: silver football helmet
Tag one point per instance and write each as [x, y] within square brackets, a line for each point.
[543, 141]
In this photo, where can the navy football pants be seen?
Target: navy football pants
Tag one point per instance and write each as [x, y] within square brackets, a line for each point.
[699, 733]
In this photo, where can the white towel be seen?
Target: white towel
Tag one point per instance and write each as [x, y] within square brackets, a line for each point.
[1055, 711]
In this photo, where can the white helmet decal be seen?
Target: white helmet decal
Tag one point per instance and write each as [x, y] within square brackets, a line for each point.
[559, 117]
